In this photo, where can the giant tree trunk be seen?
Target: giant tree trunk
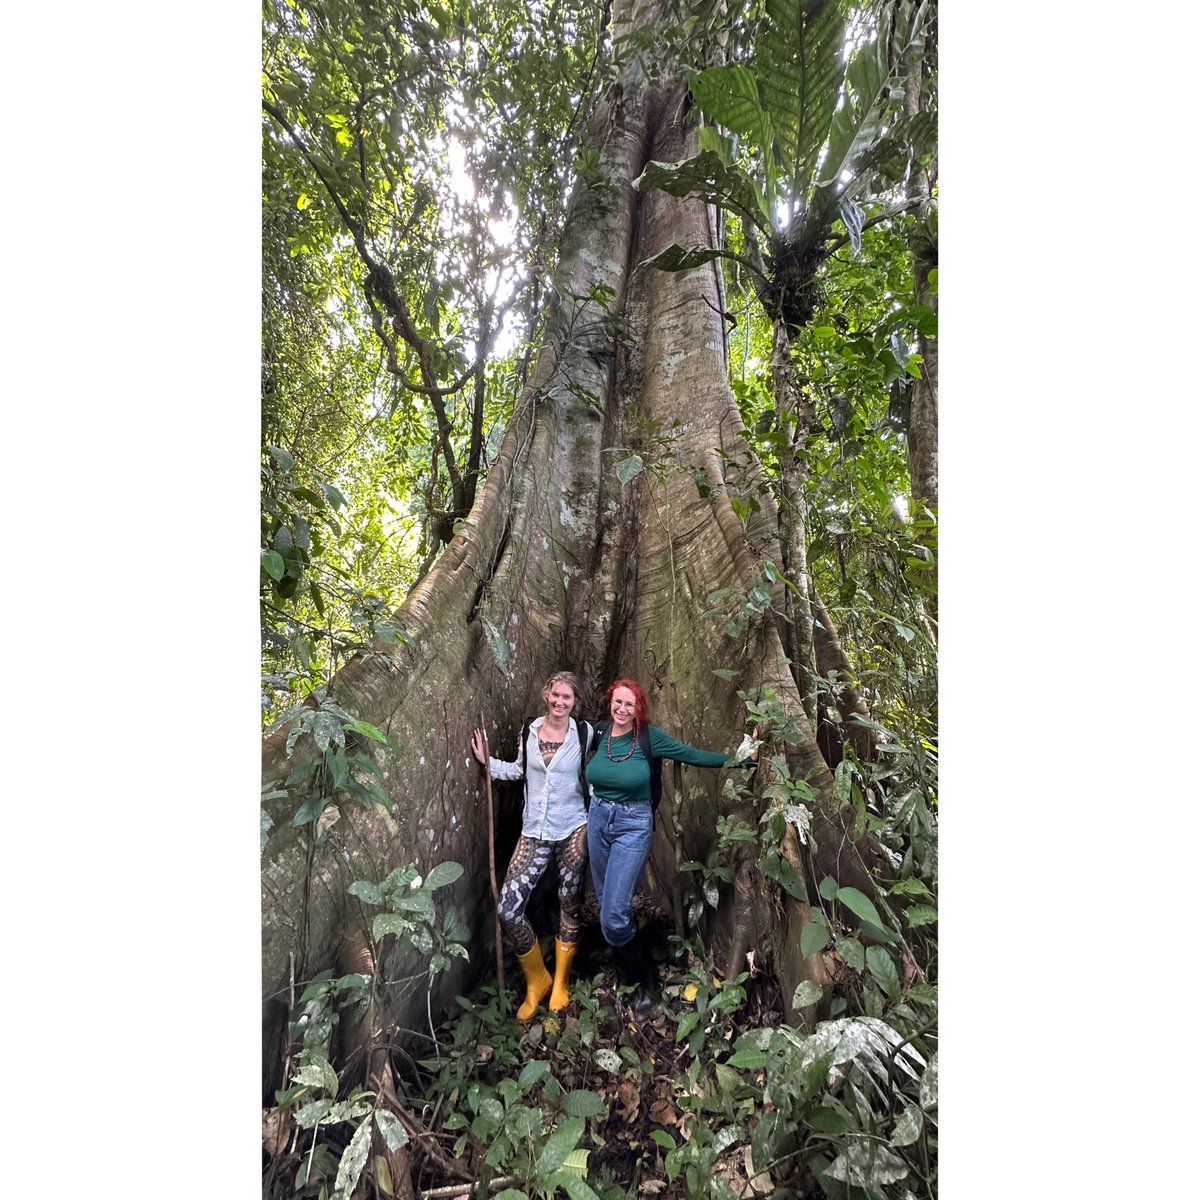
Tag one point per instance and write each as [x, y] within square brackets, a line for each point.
[923, 421]
[560, 565]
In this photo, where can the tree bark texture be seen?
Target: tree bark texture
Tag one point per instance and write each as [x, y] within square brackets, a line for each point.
[923, 420]
[560, 565]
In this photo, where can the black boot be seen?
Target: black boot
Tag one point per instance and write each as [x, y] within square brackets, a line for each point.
[636, 967]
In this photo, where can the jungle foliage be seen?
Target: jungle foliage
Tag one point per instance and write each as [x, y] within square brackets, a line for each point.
[416, 160]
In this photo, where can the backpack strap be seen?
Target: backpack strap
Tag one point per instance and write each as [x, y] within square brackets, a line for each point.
[524, 738]
[655, 769]
[585, 732]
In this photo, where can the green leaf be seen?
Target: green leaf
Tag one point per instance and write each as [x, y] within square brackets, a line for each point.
[583, 1103]
[928, 1093]
[814, 937]
[748, 1059]
[883, 970]
[393, 1132]
[774, 866]
[858, 904]
[800, 71]
[327, 730]
[672, 1163]
[273, 564]
[728, 1080]
[908, 1126]
[576, 1162]
[315, 592]
[706, 176]
[908, 887]
[497, 644]
[807, 992]
[400, 877]
[730, 96]
[282, 457]
[827, 1120]
[627, 468]
[879, 933]
[852, 218]
[923, 993]
[687, 1023]
[363, 762]
[310, 810]
[354, 1158]
[608, 1060]
[532, 1073]
[336, 762]
[349, 1110]
[570, 1183]
[725, 1138]
[308, 494]
[851, 950]
[558, 1145]
[921, 914]
[366, 891]
[828, 887]
[857, 125]
[443, 874]
[318, 1074]
[867, 1165]
[680, 258]
[367, 730]
[335, 497]
[662, 1138]
[387, 923]
[308, 1116]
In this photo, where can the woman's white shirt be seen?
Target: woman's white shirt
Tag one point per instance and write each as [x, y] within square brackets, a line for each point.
[553, 802]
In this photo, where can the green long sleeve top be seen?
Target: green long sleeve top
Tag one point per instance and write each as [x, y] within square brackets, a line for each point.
[628, 780]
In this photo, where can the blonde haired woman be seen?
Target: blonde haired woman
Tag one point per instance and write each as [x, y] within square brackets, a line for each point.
[550, 758]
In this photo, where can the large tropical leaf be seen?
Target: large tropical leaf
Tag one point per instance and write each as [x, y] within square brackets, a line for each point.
[857, 124]
[684, 258]
[881, 164]
[800, 71]
[729, 95]
[705, 175]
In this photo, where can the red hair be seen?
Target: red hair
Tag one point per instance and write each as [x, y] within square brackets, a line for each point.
[641, 703]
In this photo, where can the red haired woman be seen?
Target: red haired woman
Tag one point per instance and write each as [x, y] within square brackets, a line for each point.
[621, 821]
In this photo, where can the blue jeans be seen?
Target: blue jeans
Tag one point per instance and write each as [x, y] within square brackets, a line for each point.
[618, 846]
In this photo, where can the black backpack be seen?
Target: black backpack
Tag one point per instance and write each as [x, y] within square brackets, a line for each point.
[585, 732]
[643, 738]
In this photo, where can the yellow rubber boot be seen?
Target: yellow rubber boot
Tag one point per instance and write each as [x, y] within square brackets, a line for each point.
[537, 981]
[564, 952]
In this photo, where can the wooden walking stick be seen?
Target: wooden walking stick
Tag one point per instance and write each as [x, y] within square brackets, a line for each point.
[501, 994]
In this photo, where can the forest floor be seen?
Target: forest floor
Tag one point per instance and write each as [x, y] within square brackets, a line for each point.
[653, 1085]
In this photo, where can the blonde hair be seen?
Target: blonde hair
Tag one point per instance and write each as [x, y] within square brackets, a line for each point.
[567, 677]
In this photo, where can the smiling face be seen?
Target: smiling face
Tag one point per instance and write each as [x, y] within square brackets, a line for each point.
[560, 699]
[623, 707]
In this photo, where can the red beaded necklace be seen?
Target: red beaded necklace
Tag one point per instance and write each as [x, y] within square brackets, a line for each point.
[608, 747]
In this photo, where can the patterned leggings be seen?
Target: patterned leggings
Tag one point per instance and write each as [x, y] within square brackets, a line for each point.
[529, 862]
